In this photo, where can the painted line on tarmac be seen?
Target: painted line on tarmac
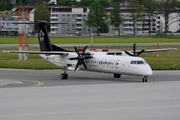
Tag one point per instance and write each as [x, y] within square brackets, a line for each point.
[155, 83]
[35, 84]
[38, 83]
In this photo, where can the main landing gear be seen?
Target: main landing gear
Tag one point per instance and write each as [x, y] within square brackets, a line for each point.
[64, 75]
[144, 79]
[117, 75]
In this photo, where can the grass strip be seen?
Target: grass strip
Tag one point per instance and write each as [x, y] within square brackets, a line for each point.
[169, 60]
[80, 40]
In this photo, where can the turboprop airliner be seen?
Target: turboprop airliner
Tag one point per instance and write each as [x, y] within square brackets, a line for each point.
[116, 63]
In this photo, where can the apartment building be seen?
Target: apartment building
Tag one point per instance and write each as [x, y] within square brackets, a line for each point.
[75, 19]
[6, 26]
[8, 22]
[141, 24]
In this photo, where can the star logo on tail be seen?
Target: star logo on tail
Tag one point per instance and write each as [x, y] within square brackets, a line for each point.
[41, 35]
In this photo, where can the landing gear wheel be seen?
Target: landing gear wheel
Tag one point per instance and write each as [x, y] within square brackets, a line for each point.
[64, 76]
[144, 79]
[117, 75]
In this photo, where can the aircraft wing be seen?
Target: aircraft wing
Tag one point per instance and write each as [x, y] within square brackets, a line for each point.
[157, 50]
[44, 52]
[39, 52]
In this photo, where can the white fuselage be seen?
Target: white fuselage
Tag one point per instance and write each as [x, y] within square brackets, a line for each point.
[101, 62]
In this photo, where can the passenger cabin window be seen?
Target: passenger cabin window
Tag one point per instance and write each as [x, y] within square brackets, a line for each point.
[114, 53]
[110, 53]
[119, 53]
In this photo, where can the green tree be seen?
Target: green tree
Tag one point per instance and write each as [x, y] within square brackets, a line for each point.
[150, 7]
[166, 7]
[2, 7]
[104, 2]
[96, 16]
[42, 13]
[104, 28]
[66, 2]
[115, 17]
[136, 12]
[6, 5]
[33, 2]
[21, 2]
[61, 2]
[86, 2]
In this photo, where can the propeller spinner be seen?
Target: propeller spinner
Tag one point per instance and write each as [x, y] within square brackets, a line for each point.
[134, 53]
[80, 58]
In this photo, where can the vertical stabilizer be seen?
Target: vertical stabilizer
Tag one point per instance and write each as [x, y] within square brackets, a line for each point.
[44, 41]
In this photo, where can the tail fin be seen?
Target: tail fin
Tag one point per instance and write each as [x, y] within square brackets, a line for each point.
[44, 41]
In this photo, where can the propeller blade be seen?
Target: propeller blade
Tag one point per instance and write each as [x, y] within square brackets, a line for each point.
[128, 53]
[76, 66]
[75, 58]
[84, 65]
[140, 52]
[80, 58]
[134, 49]
[77, 51]
[84, 49]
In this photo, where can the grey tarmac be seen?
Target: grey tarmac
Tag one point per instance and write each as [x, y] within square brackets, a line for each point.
[42, 95]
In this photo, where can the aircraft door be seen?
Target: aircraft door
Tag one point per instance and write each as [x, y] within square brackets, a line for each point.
[123, 66]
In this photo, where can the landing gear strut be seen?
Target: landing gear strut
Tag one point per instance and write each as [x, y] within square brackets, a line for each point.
[144, 79]
[64, 75]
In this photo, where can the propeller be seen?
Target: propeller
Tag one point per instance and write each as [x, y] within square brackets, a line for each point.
[134, 53]
[80, 58]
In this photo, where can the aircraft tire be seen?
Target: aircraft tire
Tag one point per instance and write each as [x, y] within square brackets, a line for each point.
[144, 79]
[117, 75]
[64, 76]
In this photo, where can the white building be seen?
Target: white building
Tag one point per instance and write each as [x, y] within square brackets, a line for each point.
[53, 1]
[75, 19]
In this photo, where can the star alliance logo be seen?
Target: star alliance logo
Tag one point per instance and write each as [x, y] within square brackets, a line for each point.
[41, 35]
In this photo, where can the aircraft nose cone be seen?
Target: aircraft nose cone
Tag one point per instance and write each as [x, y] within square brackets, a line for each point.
[148, 72]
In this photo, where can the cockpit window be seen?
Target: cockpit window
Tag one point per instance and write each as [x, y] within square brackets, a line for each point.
[145, 62]
[137, 62]
[133, 62]
[140, 62]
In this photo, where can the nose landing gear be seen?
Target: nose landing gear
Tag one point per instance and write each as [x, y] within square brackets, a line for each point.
[144, 79]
